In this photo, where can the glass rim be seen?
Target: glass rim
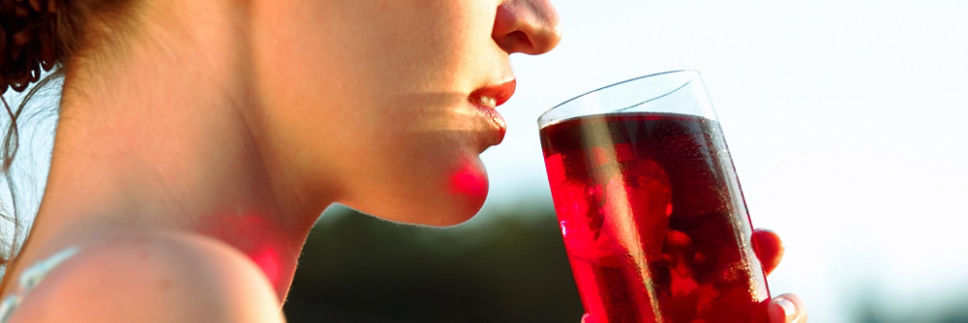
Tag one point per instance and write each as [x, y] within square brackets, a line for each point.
[616, 84]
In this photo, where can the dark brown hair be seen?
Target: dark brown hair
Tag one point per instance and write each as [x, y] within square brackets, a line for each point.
[36, 36]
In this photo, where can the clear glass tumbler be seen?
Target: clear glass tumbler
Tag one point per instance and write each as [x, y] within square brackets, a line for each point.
[650, 208]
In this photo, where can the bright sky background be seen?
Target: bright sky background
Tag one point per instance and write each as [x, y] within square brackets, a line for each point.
[846, 121]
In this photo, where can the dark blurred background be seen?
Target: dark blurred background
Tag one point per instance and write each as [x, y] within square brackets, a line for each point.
[501, 267]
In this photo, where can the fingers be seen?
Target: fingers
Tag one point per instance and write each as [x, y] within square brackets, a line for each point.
[768, 248]
[587, 318]
[786, 308]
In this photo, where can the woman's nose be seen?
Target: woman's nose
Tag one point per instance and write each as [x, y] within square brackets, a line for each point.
[526, 26]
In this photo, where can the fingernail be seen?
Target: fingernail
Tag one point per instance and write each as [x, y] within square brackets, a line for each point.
[789, 308]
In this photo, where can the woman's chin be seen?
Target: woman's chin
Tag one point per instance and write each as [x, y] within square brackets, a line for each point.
[454, 199]
[456, 217]
[462, 198]
[468, 185]
[442, 211]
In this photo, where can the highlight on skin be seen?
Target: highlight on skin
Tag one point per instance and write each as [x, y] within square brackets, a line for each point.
[469, 182]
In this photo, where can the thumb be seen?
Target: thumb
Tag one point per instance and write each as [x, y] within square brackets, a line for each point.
[786, 308]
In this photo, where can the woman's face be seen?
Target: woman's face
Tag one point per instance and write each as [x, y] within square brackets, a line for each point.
[386, 104]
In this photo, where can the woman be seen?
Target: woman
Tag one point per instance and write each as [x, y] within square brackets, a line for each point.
[198, 141]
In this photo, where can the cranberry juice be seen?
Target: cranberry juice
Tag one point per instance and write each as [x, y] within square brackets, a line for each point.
[653, 219]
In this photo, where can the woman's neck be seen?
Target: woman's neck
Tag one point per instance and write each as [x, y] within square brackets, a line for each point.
[161, 137]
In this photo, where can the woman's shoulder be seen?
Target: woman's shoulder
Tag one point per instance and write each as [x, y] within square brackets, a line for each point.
[163, 277]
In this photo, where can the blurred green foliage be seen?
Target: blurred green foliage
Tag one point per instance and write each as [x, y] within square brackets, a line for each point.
[506, 266]
[870, 306]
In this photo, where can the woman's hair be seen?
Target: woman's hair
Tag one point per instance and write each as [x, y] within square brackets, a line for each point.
[36, 38]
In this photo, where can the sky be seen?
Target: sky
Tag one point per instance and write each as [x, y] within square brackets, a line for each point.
[845, 120]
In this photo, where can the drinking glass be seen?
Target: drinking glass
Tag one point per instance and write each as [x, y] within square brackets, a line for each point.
[651, 211]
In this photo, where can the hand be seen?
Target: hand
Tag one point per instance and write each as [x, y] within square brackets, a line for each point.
[786, 308]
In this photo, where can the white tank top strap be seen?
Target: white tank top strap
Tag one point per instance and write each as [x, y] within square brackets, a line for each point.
[30, 277]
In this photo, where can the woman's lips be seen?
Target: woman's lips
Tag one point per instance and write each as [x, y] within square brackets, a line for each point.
[495, 95]
[496, 122]
[487, 99]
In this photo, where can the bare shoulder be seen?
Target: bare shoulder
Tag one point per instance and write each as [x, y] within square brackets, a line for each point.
[171, 277]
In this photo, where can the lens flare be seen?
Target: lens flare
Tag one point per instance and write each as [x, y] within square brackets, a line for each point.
[470, 181]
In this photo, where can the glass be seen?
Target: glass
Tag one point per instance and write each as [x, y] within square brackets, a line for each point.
[651, 211]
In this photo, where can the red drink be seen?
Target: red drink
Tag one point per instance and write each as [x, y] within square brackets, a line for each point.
[653, 219]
